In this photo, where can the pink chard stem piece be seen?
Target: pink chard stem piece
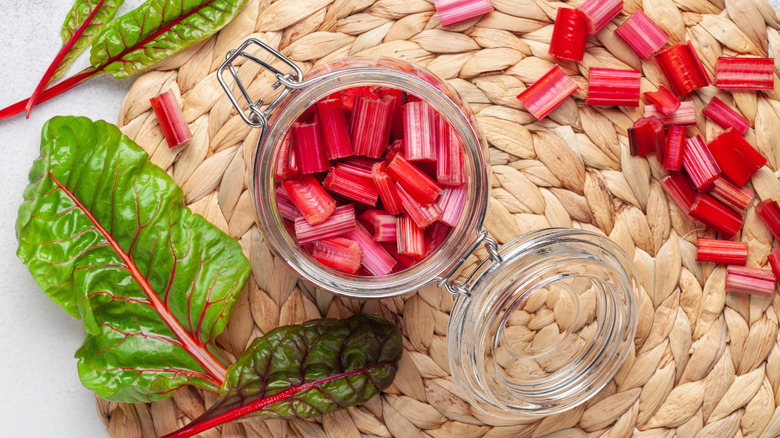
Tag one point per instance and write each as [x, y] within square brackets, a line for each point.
[642, 34]
[419, 131]
[455, 11]
[600, 12]
[341, 221]
[726, 117]
[375, 259]
[750, 280]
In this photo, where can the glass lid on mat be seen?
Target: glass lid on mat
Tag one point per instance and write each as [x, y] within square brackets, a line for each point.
[543, 324]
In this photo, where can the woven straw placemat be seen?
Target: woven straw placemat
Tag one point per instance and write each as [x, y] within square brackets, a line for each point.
[705, 364]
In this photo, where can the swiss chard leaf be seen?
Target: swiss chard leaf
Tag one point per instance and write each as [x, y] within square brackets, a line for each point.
[105, 234]
[306, 371]
[156, 30]
[82, 25]
[84, 22]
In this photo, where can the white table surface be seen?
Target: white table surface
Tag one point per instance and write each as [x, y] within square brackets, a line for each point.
[41, 395]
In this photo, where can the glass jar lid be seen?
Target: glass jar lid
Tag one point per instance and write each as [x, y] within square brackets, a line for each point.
[543, 324]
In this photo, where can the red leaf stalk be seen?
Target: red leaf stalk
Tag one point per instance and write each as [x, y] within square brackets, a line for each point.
[33, 100]
[199, 426]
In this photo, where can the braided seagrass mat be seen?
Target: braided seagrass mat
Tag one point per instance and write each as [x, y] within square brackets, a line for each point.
[705, 363]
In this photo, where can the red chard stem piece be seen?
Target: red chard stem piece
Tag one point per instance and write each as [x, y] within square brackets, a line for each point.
[411, 239]
[717, 215]
[685, 115]
[414, 181]
[541, 98]
[454, 11]
[731, 194]
[375, 259]
[699, 164]
[733, 73]
[334, 128]
[683, 69]
[774, 262]
[171, 119]
[286, 162]
[314, 203]
[341, 221]
[726, 117]
[735, 156]
[451, 203]
[309, 147]
[675, 145]
[338, 253]
[570, 34]
[450, 165]
[371, 122]
[612, 87]
[680, 189]
[750, 280]
[599, 12]
[422, 214]
[384, 224]
[642, 34]
[769, 213]
[663, 100]
[287, 209]
[351, 186]
[647, 137]
[721, 251]
[419, 131]
[386, 188]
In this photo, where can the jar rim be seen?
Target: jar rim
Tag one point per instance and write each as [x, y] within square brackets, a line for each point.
[395, 74]
[478, 324]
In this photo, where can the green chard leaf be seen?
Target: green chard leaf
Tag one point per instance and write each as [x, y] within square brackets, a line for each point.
[105, 234]
[153, 31]
[85, 21]
[156, 30]
[307, 370]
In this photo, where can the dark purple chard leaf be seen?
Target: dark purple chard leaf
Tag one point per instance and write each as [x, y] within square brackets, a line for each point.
[105, 234]
[305, 371]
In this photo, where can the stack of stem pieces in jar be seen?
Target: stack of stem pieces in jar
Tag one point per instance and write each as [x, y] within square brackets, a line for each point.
[371, 180]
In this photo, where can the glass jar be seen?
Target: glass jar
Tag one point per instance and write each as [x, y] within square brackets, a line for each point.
[538, 327]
